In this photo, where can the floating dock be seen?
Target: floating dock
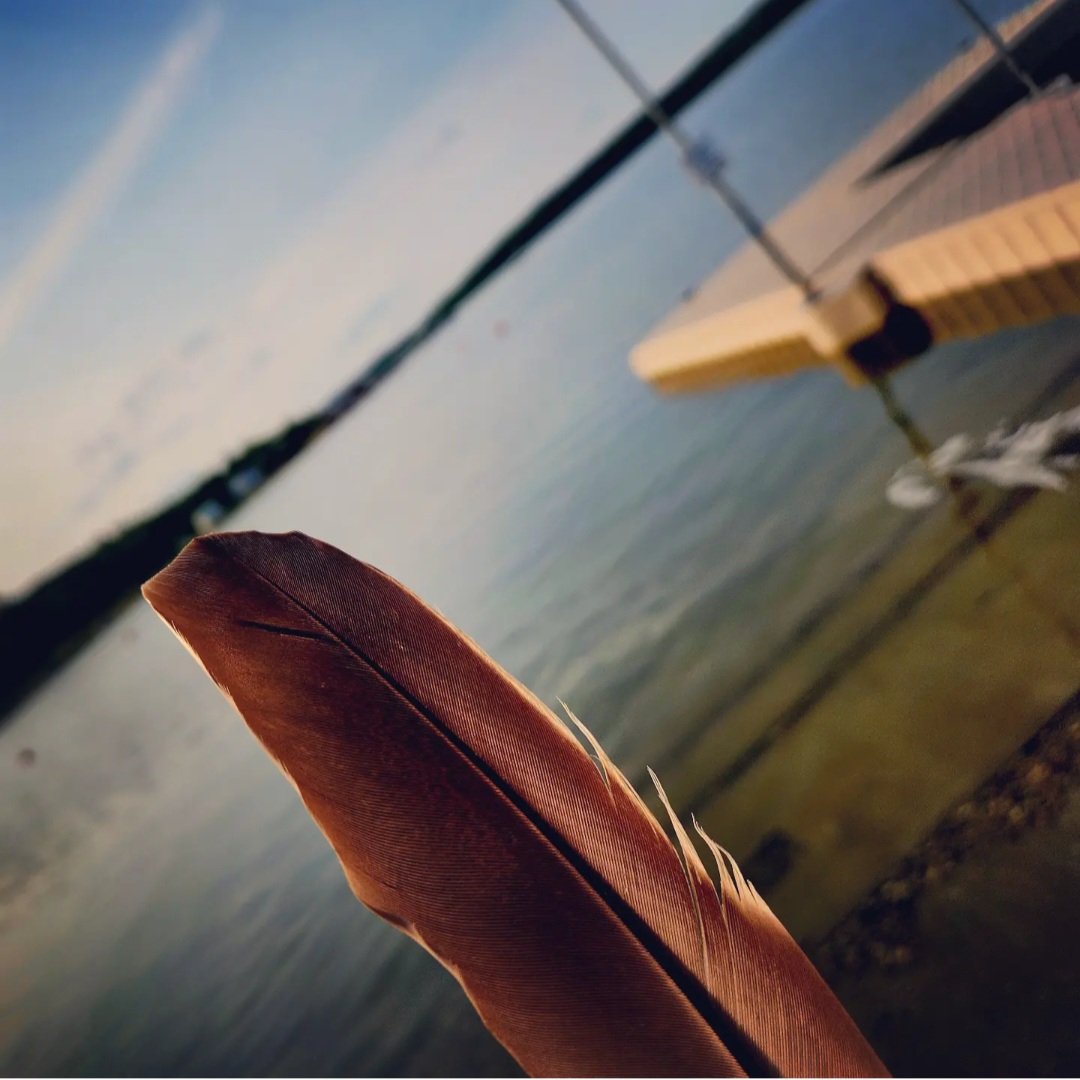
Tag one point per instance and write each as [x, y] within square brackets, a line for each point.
[962, 240]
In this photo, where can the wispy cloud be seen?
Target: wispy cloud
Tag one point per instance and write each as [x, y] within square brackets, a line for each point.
[342, 273]
[92, 191]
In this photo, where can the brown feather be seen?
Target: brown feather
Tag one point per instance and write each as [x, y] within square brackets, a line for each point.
[464, 813]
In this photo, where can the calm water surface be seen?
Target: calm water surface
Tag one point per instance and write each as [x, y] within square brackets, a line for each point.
[165, 906]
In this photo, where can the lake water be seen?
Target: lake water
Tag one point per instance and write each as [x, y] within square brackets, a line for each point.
[166, 907]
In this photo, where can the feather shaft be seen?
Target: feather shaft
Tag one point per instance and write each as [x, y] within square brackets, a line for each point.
[465, 814]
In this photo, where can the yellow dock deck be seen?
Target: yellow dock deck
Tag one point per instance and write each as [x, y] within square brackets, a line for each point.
[975, 237]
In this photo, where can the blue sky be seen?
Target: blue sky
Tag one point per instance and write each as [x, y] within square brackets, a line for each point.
[215, 212]
[211, 213]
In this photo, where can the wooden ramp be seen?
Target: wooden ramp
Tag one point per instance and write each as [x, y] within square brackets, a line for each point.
[985, 236]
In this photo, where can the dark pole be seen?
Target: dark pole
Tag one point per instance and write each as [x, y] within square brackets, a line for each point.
[713, 177]
[989, 31]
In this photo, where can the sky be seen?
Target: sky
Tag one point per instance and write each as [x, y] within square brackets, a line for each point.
[214, 213]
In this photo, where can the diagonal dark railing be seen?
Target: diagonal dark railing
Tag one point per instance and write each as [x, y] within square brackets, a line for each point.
[750, 32]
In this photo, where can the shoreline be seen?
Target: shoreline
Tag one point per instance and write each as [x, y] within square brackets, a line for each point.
[48, 623]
